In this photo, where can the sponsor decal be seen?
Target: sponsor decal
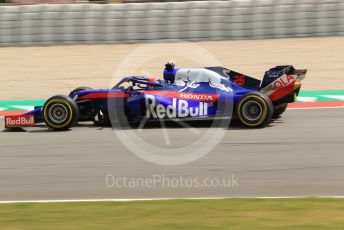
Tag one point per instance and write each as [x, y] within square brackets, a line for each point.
[189, 96]
[19, 121]
[198, 97]
[240, 80]
[178, 109]
[279, 83]
[191, 78]
[275, 73]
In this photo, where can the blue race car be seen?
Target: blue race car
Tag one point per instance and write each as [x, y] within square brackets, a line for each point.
[185, 93]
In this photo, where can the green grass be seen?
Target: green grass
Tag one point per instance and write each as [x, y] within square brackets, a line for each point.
[308, 213]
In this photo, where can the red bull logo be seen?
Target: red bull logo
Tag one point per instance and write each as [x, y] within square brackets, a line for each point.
[178, 109]
[191, 78]
[19, 121]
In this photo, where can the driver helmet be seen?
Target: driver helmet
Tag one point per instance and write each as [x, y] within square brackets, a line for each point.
[170, 65]
[169, 72]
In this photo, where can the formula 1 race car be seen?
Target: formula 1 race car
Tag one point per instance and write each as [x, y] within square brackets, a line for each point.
[198, 93]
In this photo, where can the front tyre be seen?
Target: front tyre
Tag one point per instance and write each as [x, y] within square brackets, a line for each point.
[60, 113]
[255, 110]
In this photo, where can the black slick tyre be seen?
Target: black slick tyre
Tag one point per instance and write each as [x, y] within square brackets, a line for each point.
[60, 113]
[254, 110]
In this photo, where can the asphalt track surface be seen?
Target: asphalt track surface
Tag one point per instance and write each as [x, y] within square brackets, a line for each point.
[301, 154]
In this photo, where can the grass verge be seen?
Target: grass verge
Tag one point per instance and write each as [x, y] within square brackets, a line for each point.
[303, 213]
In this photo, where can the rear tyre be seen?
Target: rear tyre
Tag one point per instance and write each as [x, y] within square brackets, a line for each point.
[255, 110]
[79, 89]
[278, 110]
[60, 113]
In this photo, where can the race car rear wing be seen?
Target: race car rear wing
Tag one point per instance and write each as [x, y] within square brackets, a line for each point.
[282, 83]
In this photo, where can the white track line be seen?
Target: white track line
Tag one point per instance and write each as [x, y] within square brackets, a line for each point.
[337, 97]
[23, 107]
[326, 107]
[163, 199]
[306, 99]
